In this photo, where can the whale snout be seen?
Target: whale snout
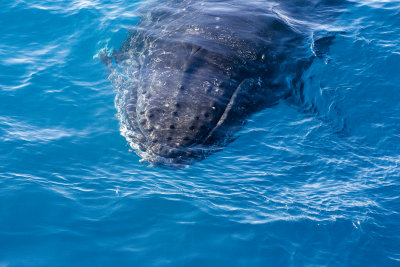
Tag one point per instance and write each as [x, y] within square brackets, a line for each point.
[176, 123]
[176, 129]
[177, 112]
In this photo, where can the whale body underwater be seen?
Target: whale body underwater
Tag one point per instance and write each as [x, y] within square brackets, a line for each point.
[190, 73]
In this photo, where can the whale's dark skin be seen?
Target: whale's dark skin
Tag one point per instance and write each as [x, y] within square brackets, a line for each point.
[191, 72]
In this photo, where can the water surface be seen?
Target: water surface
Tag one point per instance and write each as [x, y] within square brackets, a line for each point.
[311, 183]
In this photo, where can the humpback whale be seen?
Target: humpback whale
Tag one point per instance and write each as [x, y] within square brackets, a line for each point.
[191, 72]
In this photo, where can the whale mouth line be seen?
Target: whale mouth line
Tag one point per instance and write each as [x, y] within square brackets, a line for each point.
[225, 114]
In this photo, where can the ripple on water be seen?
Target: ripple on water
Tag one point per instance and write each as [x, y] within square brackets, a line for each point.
[312, 184]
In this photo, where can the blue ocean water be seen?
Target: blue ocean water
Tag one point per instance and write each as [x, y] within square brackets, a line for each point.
[307, 184]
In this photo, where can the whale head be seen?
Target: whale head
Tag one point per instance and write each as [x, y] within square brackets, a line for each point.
[182, 101]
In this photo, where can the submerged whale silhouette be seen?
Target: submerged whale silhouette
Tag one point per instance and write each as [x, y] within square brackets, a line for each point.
[191, 72]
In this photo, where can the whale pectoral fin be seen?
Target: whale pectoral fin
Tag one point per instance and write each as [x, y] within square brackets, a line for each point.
[321, 45]
[322, 42]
